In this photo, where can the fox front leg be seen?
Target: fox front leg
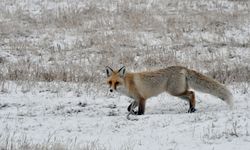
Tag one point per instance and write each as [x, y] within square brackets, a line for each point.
[131, 108]
[141, 107]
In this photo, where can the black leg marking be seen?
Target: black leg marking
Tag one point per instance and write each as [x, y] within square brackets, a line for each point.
[131, 107]
[191, 108]
[141, 108]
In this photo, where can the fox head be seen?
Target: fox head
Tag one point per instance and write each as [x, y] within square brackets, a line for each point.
[115, 79]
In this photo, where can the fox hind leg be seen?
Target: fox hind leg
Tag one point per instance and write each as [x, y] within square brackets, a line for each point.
[190, 97]
[180, 88]
[191, 102]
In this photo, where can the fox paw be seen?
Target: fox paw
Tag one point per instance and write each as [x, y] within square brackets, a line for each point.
[191, 110]
[134, 112]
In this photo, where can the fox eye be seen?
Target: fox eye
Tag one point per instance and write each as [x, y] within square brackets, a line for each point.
[117, 83]
[110, 82]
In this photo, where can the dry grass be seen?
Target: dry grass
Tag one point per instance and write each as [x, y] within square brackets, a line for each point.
[16, 141]
[73, 41]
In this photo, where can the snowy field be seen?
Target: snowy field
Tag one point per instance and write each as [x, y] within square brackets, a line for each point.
[40, 120]
[53, 93]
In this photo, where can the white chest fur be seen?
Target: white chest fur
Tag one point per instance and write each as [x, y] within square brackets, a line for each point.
[123, 90]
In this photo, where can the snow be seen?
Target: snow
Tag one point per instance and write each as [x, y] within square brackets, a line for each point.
[64, 117]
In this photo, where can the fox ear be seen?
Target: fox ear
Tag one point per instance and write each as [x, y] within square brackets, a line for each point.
[122, 71]
[109, 71]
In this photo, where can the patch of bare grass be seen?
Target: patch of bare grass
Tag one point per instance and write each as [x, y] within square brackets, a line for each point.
[73, 41]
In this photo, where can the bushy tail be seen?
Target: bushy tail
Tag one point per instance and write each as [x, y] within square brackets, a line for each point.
[206, 84]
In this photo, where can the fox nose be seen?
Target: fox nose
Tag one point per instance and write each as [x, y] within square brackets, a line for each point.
[111, 90]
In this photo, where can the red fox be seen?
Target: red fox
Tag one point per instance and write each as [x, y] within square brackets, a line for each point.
[176, 80]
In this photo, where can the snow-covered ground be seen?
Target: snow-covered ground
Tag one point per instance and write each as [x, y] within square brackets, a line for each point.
[43, 117]
[53, 93]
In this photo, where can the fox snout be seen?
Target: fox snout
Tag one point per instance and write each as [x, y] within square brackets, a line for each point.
[115, 87]
[112, 87]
